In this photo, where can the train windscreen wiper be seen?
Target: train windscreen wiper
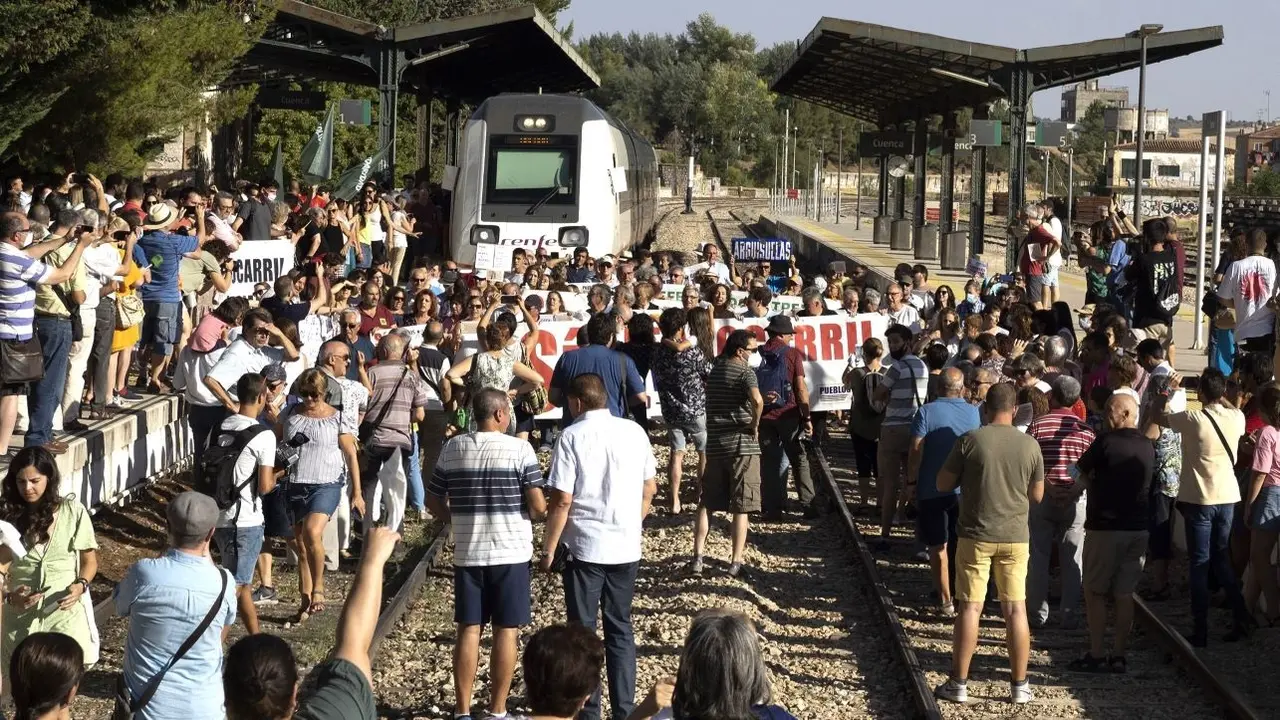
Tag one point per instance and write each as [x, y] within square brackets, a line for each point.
[543, 200]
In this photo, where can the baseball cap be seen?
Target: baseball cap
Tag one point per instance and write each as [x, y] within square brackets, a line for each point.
[608, 260]
[274, 373]
[192, 516]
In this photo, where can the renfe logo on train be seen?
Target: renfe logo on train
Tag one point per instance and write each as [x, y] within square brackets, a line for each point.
[749, 249]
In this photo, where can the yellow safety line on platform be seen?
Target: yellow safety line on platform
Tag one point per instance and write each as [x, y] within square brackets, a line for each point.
[838, 241]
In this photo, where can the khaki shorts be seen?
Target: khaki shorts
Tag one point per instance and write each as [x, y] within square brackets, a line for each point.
[974, 562]
[1156, 332]
[1113, 561]
[732, 484]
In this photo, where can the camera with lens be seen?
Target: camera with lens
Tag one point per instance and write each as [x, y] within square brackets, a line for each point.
[287, 453]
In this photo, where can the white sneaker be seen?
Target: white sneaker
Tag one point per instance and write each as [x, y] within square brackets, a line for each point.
[1020, 693]
[952, 690]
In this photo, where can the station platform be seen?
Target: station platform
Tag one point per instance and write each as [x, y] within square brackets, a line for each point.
[824, 242]
[115, 457]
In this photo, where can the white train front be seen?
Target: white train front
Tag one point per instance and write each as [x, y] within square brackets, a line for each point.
[551, 171]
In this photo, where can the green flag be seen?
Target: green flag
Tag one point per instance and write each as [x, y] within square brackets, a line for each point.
[349, 183]
[317, 156]
[277, 164]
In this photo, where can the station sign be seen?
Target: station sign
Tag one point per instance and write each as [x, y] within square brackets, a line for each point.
[1052, 134]
[937, 143]
[1212, 123]
[291, 99]
[884, 144]
[985, 133]
[354, 112]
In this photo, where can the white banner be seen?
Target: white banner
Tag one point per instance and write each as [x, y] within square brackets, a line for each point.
[260, 261]
[827, 343]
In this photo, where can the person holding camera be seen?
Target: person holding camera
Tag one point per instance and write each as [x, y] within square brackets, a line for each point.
[327, 458]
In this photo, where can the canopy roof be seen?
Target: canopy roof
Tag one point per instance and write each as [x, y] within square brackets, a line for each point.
[888, 75]
[468, 58]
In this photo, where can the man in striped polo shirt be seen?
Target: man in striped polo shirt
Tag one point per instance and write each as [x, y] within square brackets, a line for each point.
[489, 485]
[20, 272]
[903, 390]
[1059, 517]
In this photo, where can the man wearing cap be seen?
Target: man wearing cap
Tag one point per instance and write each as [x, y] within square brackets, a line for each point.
[581, 271]
[160, 251]
[604, 271]
[781, 380]
[166, 599]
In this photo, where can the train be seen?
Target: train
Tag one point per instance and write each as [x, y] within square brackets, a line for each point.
[553, 171]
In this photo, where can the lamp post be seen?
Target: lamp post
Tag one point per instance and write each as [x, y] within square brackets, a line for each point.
[1142, 33]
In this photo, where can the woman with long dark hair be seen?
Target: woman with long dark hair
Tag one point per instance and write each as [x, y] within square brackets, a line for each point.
[46, 585]
[45, 674]
[702, 330]
[639, 347]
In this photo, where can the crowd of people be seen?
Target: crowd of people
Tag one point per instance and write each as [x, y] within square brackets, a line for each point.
[375, 382]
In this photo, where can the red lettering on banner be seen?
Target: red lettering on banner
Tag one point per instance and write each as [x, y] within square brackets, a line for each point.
[722, 336]
[804, 342]
[546, 346]
[832, 341]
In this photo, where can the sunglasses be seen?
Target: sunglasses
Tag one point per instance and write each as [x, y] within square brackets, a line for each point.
[397, 298]
[260, 330]
[418, 279]
[352, 326]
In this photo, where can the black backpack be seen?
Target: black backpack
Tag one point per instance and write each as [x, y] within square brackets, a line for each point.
[216, 476]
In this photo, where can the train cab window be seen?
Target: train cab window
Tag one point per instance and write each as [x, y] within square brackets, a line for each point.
[532, 175]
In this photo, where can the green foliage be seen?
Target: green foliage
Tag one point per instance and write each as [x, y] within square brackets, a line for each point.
[1264, 183]
[104, 92]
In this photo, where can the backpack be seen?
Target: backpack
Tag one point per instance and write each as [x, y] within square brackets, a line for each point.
[772, 378]
[216, 476]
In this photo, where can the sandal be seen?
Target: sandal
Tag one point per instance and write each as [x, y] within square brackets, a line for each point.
[304, 611]
[1089, 664]
[1117, 664]
[317, 603]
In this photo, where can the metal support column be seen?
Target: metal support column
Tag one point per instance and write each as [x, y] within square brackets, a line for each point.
[1020, 89]
[453, 119]
[946, 199]
[978, 192]
[424, 120]
[390, 66]
[921, 175]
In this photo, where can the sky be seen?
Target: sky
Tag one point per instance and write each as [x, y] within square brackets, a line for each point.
[1233, 77]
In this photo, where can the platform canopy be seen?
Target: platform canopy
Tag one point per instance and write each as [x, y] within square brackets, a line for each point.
[468, 58]
[889, 75]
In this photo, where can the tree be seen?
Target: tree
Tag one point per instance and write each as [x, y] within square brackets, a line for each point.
[124, 88]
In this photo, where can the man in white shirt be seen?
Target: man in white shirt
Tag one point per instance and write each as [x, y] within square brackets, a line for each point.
[249, 354]
[602, 482]
[899, 311]
[239, 533]
[1247, 286]
[711, 252]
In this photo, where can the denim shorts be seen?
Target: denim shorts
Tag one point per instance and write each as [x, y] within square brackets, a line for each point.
[161, 326]
[313, 499]
[239, 549]
[1266, 510]
[682, 434]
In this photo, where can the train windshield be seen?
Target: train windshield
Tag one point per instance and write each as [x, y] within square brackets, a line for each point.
[528, 176]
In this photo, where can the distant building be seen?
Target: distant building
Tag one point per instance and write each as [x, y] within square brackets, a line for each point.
[1257, 149]
[1077, 99]
[1167, 165]
[1121, 124]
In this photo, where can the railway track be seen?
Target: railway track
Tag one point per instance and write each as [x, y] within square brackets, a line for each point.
[1187, 687]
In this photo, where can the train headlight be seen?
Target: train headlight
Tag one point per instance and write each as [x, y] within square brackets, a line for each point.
[484, 234]
[535, 123]
[573, 237]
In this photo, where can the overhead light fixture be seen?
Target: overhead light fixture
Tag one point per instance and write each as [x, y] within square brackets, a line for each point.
[958, 76]
[1146, 30]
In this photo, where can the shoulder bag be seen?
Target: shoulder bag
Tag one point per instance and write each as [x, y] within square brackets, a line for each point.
[129, 310]
[21, 361]
[368, 426]
[1225, 445]
[126, 707]
[73, 313]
